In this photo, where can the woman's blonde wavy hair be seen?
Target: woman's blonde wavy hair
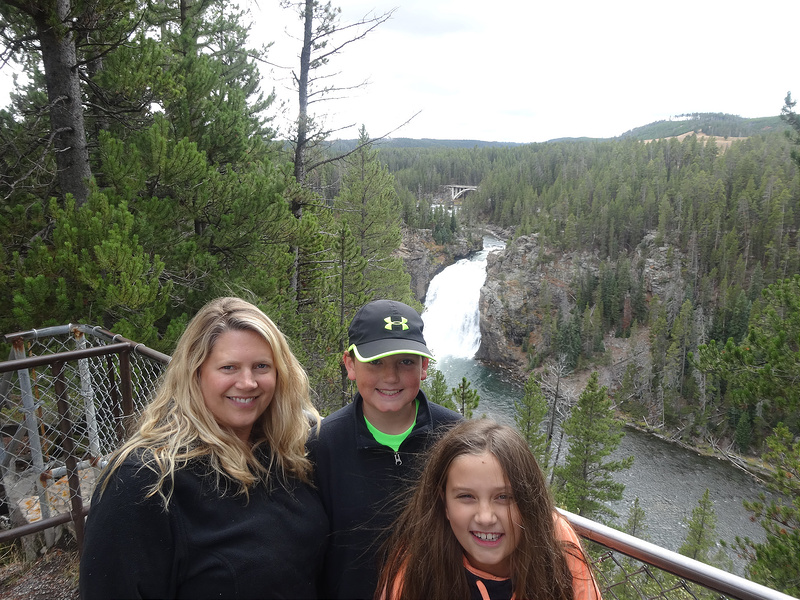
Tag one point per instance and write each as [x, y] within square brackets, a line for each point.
[176, 427]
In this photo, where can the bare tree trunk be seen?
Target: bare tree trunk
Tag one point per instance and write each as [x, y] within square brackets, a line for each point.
[302, 132]
[320, 29]
[342, 294]
[64, 93]
[559, 369]
[551, 425]
[302, 99]
[558, 455]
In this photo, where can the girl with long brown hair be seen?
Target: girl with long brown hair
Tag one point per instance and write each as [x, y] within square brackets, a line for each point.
[481, 524]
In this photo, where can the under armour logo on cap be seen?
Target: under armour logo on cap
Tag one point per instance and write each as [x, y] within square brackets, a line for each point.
[401, 322]
[385, 327]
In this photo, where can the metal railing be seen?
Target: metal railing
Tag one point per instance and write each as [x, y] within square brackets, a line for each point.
[643, 572]
[64, 410]
[66, 395]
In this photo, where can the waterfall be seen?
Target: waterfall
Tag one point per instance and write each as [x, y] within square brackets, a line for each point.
[451, 316]
[451, 309]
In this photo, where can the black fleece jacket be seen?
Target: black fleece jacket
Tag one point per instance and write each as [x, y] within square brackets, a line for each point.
[207, 545]
[362, 483]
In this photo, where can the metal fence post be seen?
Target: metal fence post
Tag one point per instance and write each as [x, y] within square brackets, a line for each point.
[73, 476]
[87, 391]
[126, 383]
[34, 441]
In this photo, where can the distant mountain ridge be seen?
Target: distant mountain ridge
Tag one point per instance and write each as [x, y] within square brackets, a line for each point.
[719, 125]
[345, 145]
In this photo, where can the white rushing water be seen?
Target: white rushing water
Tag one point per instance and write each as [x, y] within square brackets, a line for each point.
[452, 332]
[452, 319]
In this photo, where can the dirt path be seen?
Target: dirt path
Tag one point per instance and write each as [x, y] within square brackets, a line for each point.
[52, 577]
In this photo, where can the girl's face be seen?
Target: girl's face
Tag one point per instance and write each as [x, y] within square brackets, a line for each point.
[482, 512]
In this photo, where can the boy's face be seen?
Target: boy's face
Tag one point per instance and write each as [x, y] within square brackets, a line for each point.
[387, 385]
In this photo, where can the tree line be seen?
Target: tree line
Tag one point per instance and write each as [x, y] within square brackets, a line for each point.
[723, 226]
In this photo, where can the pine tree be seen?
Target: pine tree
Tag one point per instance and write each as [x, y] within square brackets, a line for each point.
[635, 525]
[212, 130]
[585, 481]
[568, 339]
[790, 116]
[351, 291]
[190, 176]
[760, 373]
[744, 432]
[465, 398]
[700, 543]
[625, 575]
[701, 528]
[675, 364]
[96, 272]
[435, 387]
[626, 392]
[773, 562]
[529, 413]
[368, 204]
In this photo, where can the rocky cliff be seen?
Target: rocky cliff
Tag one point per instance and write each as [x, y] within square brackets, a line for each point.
[424, 258]
[512, 299]
[526, 280]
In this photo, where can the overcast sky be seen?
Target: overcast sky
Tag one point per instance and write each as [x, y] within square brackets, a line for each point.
[531, 71]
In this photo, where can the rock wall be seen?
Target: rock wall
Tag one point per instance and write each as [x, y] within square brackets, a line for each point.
[511, 298]
[662, 268]
[424, 258]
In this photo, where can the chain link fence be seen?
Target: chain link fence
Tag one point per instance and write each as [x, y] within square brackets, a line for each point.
[67, 394]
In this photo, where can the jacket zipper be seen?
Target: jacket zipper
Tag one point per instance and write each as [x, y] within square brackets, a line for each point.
[397, 460]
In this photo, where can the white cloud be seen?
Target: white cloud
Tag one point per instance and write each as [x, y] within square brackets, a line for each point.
[528, 70]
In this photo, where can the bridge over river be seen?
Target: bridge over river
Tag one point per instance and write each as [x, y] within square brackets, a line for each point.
[457, 191]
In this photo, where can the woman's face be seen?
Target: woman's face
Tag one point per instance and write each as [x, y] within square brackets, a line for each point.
[482, 512]
[238, 380]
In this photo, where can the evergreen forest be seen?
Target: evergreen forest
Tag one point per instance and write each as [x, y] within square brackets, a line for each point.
[727, 219]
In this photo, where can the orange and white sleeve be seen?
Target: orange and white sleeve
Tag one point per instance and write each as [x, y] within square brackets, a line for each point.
[583, 581]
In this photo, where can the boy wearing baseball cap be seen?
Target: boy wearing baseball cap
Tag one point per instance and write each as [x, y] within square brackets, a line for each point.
[367, 453]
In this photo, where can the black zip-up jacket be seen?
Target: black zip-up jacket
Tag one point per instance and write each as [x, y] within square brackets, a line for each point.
[211, 543]
[362, 484]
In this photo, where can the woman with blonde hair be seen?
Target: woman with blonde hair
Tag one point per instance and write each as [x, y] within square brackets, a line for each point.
[212, 496]
[481, 525]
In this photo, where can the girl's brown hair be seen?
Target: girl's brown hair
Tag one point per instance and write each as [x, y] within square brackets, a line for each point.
[424, 558]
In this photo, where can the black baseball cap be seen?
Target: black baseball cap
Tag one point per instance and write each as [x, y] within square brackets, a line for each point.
[385, 327]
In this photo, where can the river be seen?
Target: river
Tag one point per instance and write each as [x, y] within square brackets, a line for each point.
[667, 479]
